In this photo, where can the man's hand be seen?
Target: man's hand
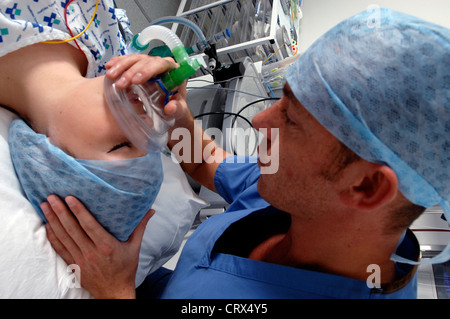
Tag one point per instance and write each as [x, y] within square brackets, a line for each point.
[138, 69]
[108, 266]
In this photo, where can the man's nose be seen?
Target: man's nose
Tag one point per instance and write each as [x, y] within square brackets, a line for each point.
[267, 118]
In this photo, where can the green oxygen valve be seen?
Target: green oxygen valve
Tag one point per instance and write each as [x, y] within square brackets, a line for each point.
[188, 67]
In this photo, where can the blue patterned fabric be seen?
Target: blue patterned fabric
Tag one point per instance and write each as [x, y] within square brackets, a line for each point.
[117, 193]
[23, 23]
[383, 89]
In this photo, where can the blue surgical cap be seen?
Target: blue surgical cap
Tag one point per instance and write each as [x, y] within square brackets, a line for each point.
[118, 193]
[380, 83]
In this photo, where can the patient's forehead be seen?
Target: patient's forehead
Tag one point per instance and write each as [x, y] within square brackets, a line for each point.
[84, 127]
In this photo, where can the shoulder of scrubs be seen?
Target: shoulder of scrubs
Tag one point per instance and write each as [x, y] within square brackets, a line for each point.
[236, 181]
[204, 272]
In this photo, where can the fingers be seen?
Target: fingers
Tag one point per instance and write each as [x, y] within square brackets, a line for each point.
[79, 232]
[58, 246]
[176, 108]
[108, 266]
[72, 232]
[58, 236]
[90, 228]
[136, 237]
[177, 105]
[136, 69]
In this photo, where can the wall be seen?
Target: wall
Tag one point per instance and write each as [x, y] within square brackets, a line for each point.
[321, 15]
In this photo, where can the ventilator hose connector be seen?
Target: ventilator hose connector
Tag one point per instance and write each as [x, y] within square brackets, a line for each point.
[188, 66]
[184, 21]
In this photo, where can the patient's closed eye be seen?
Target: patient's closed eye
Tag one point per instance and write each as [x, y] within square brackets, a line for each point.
[119, 146]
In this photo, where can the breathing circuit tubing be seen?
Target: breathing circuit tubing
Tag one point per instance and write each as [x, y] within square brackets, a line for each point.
[79, 34]
[188, 66]
[181, 20]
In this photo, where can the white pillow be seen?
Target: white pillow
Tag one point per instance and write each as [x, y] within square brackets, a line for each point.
[175, 209]
[30, 268]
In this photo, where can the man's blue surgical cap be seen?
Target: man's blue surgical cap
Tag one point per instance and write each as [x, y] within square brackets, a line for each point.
[380, 83]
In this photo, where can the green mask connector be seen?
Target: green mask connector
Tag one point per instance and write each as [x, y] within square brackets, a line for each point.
[187, 68]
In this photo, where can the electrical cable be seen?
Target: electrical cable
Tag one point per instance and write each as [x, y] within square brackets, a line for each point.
[225, 113]
[238, 115]
[70, 31]
[225, 81]
[225, 89]
[237, 77]
[274, 52]
[81, 33]
[228, 113]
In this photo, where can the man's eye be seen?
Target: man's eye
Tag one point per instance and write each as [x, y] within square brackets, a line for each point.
[287, 119]
[119, 146]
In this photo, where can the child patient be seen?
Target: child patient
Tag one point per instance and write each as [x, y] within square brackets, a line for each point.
[67, 141]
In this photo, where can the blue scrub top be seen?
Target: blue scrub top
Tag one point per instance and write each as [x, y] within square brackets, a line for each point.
[206, 271]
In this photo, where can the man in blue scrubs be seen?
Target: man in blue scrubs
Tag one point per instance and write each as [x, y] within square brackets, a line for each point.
[361, 140]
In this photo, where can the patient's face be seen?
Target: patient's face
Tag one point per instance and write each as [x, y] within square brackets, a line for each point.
[85, 128]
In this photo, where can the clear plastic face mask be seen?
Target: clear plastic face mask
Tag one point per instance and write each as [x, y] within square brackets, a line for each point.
[139, 113]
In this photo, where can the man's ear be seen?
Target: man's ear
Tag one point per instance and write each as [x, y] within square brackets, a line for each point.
[377, 186]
